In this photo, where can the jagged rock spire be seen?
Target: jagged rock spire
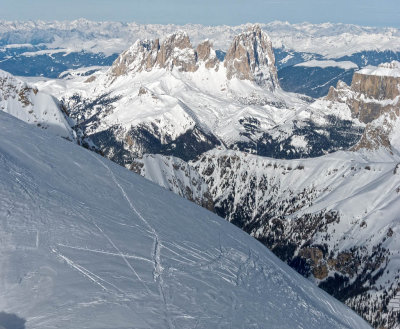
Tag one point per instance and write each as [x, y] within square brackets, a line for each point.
[175, 51]
[250, 57]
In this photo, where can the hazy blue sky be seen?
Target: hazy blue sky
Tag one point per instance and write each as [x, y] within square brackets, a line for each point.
[209, 12]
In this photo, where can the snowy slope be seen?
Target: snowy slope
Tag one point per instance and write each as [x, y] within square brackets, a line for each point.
[33, 106]
[88, 244]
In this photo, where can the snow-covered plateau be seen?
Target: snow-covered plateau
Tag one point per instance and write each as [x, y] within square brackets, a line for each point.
[385, 69]
[345, 65]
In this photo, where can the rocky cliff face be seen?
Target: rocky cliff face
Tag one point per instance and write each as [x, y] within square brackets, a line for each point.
[175, 51]
[250, 57]
[374, 94]
[205, 53]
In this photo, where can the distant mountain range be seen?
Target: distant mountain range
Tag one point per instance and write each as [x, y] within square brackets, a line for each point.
[48, 49]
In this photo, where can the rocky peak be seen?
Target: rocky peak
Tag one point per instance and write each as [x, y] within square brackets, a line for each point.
[250, 57]
[175, 51]
[205, 53]
[134, 59]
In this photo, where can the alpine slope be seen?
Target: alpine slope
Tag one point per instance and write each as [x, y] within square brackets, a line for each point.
[86, 243]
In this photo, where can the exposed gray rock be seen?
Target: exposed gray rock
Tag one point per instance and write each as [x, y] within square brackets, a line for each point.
[250, 57]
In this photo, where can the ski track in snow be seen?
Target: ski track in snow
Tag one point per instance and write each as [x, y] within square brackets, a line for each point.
[91, 276]
[156, 254]
[106, 252]
[123, 257]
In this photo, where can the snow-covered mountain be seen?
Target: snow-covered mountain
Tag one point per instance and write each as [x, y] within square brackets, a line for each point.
[334, 218]
[86, 243]
[165, 97]
[51, 49]
[38, 48]
[33, 106]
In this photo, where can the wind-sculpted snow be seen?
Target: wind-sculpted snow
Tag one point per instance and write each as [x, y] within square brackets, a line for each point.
[88, 244]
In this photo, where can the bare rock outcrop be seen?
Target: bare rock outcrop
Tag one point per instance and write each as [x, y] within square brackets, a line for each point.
[175, 51]
[205, 53]
[251, 57]
[373, 91]
[374, 98]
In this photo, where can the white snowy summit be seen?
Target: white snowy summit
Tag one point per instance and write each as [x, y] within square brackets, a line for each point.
[86, 243]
